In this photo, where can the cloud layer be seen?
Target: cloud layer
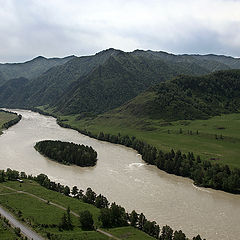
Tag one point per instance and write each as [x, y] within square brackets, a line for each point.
[64, 27]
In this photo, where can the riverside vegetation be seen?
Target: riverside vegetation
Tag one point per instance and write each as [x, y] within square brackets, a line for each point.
[67, 153]
[95, 211]
[204, 173]
[7, 232]
[8, 119]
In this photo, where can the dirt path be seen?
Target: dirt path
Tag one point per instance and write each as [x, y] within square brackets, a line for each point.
[56, 205]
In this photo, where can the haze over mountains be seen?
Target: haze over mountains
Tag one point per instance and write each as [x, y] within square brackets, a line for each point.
[30, 69]
[106, 80]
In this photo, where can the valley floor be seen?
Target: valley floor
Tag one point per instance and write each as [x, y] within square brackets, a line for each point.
[216, 139]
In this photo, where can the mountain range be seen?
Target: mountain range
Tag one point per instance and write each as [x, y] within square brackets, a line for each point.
[91, 85]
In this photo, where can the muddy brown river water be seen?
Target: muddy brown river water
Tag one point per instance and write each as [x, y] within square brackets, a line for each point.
[122, 176]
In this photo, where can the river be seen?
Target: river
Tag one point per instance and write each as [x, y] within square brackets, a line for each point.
[122, 176]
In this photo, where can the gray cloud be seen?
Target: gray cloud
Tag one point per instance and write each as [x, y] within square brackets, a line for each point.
[64, 27]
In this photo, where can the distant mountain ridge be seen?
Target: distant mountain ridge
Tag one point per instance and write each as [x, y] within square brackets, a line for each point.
[98, 83]
[30, 69]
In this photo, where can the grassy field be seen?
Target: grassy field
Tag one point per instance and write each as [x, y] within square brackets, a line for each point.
[6, 232]
[216, 139]
[5, 117]
[129, 233]
[36, 212]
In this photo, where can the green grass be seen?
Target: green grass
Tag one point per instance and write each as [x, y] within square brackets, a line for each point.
[6, 232]
[5, 117]
[75, 205]
[4, 190]
[35, 212]
[129, 233]
[155, 132]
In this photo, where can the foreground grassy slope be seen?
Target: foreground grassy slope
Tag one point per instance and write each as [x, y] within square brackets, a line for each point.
[37, 213]
[129, 233]
[6, 232]
[166, 135]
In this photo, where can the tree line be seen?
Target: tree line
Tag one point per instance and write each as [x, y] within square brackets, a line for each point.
[67, 152]
[202, 172]
[111, 215]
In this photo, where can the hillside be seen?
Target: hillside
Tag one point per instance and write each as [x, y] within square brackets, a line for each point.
[188, 97]
[121, 78]
[163, 117]
[95, 84]
[30, 69]
[193, 63]
[14, 92]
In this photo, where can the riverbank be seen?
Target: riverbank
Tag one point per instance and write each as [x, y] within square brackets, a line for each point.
[42, 209]
[41, 204]
[8, 119]
[123, 177]
[178, 163]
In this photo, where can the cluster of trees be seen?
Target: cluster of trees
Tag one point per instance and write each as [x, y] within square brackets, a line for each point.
[13, 121]
[110, 215]
[66, 221]
[114, 216]
[68, 153]
[204, 173]
[10, 174]
[197, 97]
[86, 220]
[151, 228]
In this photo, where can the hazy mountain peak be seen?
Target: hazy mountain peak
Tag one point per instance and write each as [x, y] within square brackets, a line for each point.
[39, 58]
[109, 51]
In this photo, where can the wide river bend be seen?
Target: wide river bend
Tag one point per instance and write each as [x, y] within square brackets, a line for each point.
[122, 176]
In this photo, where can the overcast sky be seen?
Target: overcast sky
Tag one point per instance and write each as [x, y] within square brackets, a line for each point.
[29, 28]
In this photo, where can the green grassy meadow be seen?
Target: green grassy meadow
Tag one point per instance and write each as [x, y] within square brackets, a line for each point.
[36, 212]
[208, 143]
[6, 232]
[129, 233]
[5, 117]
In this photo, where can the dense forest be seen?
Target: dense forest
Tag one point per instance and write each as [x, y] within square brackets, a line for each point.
[188, 97]
[67, 152]
[203, 173]
[111, 215]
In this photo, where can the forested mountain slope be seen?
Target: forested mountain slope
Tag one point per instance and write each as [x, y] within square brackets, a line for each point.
[193, 63]
[121, 78]
[101, 82]
[188, 97]
[30, 69]
[14, 92]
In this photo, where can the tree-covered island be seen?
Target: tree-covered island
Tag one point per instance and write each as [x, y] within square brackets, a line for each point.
[67, 152]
